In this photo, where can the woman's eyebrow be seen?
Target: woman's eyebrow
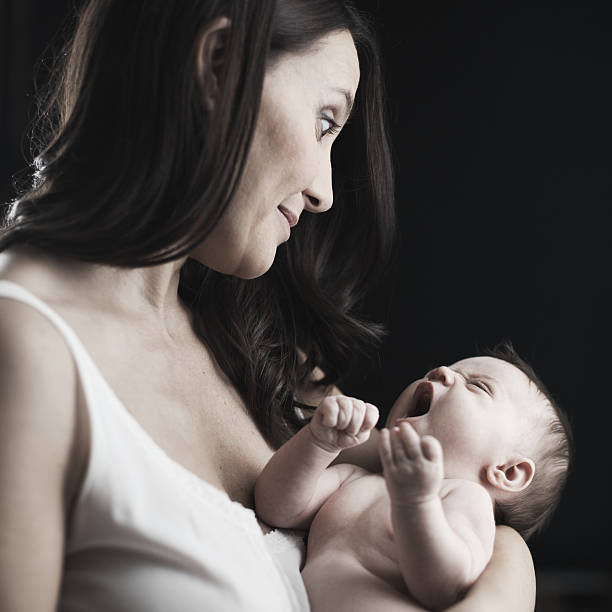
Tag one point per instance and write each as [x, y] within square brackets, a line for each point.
[348, 101]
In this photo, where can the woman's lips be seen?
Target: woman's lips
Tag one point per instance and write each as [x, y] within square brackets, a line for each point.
[291, 217]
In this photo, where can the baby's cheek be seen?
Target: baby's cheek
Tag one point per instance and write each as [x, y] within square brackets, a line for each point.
[399, 408]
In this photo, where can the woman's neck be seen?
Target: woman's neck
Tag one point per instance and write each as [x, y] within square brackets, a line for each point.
[147, 293]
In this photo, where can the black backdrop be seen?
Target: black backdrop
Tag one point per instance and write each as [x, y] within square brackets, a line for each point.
[501, 120]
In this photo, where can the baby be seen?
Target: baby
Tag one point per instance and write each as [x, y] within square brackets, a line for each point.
[469, 445]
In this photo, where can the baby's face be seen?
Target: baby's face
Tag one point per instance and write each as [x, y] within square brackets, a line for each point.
[480, 409]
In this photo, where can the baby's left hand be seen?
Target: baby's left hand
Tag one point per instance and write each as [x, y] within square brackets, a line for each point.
[341, 422]
[412, 465]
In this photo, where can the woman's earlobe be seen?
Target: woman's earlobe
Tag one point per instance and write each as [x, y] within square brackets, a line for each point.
[210, 51]
[513, 476]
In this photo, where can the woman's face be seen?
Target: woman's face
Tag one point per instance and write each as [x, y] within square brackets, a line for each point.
[288, 167]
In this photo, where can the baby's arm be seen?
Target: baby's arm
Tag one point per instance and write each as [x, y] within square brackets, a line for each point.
[364, 455]
[443, 544]
[297, 481]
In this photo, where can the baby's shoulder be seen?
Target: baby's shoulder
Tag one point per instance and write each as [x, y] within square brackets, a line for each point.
[468, 507]
[466, 495]
[461, 485]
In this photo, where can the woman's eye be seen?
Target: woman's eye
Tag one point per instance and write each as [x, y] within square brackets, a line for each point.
[328, 126]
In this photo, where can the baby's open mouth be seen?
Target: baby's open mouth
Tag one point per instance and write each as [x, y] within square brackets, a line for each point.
[421, 400]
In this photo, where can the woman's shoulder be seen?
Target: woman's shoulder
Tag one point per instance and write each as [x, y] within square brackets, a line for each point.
[38, 376]
[49, 278]
[40, 394]
[38, 435]
[35, 360]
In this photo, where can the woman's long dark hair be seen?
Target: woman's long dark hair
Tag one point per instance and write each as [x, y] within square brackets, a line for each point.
[131, 171]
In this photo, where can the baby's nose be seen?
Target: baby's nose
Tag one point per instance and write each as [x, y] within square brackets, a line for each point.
[442, 374]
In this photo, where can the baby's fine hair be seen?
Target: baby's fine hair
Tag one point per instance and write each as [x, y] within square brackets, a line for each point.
[529, 511]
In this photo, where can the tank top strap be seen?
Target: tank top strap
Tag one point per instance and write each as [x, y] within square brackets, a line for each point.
[84, 363]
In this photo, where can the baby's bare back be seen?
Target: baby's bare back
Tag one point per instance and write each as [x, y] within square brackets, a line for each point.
[352, 563]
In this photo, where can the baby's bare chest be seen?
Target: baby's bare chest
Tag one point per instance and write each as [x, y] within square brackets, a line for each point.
[363, 502]
[356, 522]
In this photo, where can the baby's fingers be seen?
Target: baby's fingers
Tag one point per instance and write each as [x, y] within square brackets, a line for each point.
[432, 449]
[384, 449]
[390, 448]
[328, 411]
[370, 418]
[345, 412]
[408, 442]
[357, 415]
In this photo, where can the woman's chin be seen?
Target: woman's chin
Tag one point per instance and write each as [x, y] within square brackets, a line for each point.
[254, 267]
[250, 265]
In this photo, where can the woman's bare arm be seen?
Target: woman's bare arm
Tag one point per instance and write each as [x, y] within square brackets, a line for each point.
[37, 408]
[507, 583]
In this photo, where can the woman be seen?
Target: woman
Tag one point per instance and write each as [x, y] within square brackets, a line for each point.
[164, 310]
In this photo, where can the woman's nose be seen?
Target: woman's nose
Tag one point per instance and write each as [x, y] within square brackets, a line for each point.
[442, 374]
[319, 197]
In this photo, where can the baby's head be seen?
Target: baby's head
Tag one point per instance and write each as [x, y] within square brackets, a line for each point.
[498, 425]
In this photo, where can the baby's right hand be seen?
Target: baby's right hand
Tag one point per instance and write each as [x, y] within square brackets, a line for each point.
[413, 466]
[340, 422]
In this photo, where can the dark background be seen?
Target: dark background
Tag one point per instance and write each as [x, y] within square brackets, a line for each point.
[501, 121]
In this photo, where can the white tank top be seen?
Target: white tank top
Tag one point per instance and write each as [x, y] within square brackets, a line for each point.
[148, 535]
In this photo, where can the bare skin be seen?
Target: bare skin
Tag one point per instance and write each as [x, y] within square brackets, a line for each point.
[140, 336]
[409, 535]
[220, 445]
[492, 591]
[173, 378]
[508, 582]
[174, 390]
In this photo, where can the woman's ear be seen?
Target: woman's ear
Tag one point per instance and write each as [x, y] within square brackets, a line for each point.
[513, 476]
[210, 47]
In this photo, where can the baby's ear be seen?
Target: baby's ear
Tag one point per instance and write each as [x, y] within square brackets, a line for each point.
[513, 476]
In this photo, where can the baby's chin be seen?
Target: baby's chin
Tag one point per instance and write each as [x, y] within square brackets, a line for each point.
[396, 422]
[402, 420]
[392, 421]
[397, 413]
